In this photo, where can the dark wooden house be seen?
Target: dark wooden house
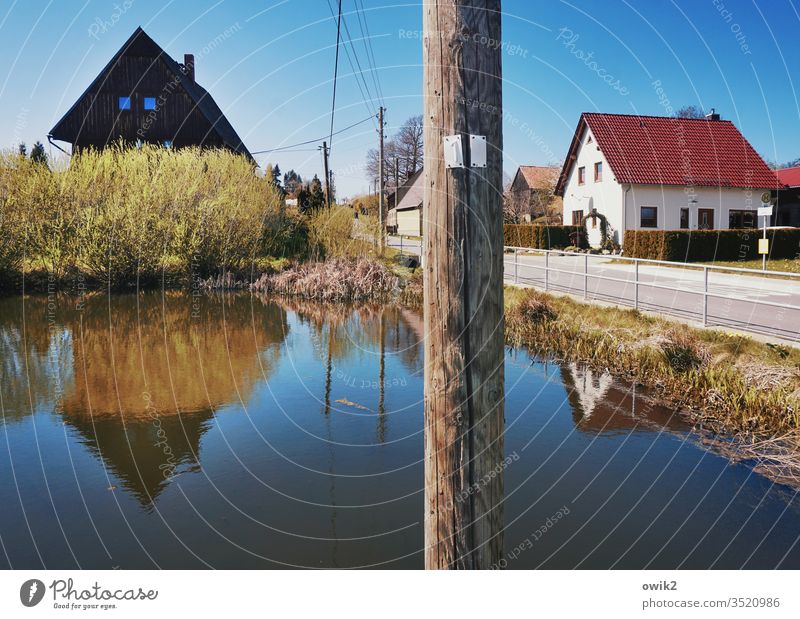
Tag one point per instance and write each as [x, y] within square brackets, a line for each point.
[144, 96]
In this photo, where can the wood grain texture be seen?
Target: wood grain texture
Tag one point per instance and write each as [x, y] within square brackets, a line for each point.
[463, 288]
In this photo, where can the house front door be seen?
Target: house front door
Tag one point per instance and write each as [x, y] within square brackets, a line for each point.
[705, 218]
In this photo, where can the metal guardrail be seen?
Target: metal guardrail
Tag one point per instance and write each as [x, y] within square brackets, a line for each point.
[637, 282]
[514, 267]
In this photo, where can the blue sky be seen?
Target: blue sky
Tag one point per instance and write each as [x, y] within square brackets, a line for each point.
[269, 65]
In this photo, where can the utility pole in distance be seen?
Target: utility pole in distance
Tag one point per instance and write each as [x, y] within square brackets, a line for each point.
[463, 287]
[381, 182]
[327, 175]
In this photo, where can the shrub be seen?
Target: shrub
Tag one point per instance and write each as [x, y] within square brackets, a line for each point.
[535, 308]
[709, 245]
[543, 237]
[123, 215]
[285, 233]
[330, 232]
[338, 279]
[413, 293]
[682, 351]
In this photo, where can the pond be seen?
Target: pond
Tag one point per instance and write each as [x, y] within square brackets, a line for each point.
[178, 431]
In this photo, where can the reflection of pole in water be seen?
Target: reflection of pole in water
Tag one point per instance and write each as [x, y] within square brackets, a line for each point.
[381, 384]
[328, 369]
[331, 451]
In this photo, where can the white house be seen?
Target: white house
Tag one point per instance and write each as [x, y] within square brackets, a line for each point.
[406, 217]
[653, 172]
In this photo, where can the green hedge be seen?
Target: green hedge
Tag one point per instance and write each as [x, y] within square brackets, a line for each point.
[709, 245]
[540, 236]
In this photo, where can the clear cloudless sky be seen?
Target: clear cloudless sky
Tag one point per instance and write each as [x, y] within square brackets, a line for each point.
[269, 64]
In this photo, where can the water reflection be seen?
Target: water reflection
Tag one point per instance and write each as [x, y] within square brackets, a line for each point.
[266, 432]
[601, 404]
[140, 377]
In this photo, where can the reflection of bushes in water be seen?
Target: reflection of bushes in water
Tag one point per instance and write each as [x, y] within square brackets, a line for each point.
[35, 356]
[347, 330]
[187, 353]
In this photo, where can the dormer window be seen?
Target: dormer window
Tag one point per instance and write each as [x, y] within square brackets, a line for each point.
[125, 103]
[149, 103]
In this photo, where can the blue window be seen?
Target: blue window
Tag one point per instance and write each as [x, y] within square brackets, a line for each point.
[149, 103]
[124, 103]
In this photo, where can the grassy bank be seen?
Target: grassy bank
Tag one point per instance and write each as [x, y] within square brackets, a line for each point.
[726, 382]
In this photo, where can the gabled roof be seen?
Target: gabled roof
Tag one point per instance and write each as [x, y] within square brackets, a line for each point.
[203, 101]
[789, 176]
[537, 177]
[412, 191]
[658, 150]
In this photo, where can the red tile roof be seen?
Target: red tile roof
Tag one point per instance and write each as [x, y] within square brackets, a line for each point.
[789, 176]
[538, 177]
[657, 150]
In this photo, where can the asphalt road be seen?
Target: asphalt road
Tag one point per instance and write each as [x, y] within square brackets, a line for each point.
[735, 300]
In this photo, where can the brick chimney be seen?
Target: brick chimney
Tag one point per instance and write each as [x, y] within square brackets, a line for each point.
[188, 63]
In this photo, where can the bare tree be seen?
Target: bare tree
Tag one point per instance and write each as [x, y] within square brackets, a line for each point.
[409, 145]
[514, 206]
[403, 153]
[689, 111]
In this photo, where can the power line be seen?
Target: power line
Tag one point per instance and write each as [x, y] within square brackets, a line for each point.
[367, 100]
[292, 146]
[362, 22]
[335, 71]
[358, 62]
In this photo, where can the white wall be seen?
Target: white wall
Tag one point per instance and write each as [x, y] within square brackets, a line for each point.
[670, 199]
[408, 222]
[605, 196]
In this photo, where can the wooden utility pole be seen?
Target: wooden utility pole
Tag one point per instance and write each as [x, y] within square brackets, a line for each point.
[381, 181]
[463, 288]
[325, 154]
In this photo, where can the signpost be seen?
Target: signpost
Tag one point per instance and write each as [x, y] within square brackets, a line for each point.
[765, 212]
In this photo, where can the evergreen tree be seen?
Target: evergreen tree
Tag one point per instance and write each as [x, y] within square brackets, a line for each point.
[23, 150]
[316, 198]
[292, 183]
[276, 178]
[272, 174]
[38, 154]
